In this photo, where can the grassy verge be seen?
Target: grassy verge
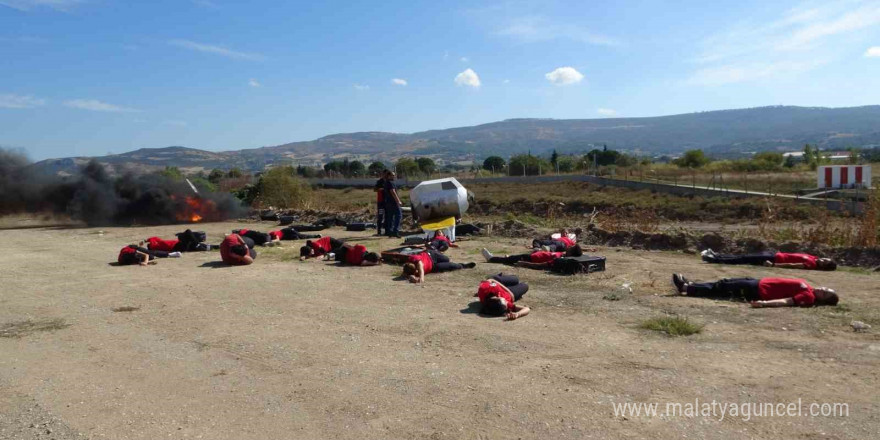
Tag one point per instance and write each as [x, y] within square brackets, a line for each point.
[672, 325]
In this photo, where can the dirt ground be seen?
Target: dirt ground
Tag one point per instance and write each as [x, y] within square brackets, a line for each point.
[307, 350]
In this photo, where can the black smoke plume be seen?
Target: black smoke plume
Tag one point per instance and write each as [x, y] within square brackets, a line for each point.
[98, 199]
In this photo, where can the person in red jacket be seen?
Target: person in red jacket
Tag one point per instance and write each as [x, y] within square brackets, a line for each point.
[772, 259]
[498, 295]
[765, 292]
[551, 244]
[259, 238]
[134, 254]
[235, 251]
[353, 255]
[290, 233]
[440, 242]
[319, 247]
[534, 260]
[430, 261]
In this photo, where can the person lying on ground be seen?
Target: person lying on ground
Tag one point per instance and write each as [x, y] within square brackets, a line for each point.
[772, 259]
[186, 242]
[560, 244]
[764, 292]
[259, 238]
[498, 295]
[353, 255]
[438, 242]
[319, 247]
[236, 250]
[533, 260]
[430, 261]
[134, 254]
[290, 233]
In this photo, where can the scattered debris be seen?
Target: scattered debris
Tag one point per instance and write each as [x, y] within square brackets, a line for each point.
[859, 326]
[126, 309]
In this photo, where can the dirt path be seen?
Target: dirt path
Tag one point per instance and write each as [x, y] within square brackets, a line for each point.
[284, 349]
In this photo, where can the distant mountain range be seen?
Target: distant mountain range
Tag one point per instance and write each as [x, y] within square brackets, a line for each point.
[720, 133]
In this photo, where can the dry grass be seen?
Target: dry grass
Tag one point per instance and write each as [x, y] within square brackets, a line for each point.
[126, 309]
[672, 326]
[25, 328]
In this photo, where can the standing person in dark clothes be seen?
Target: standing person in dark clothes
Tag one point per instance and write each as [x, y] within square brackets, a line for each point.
[354, 255]
[291, 233]
[766, 292]
[236, 250]
[379, 188]
[498, 295]
[134, 254]
[430, 261]
[321, 246]
[534, 260]
[772, 259]
[393, 213]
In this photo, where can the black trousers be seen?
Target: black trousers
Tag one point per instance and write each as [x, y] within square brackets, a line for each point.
[259, 238]
[732, 288]
[442, 263]
[439, 245]
[554, 245]
[292, 234]
[753, 259]
[513, 284]
[380, 217]
[308, 228]
[134, 259]
[512, 259]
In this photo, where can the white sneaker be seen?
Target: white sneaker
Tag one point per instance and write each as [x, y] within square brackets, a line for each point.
[174, 255]
[486, 254]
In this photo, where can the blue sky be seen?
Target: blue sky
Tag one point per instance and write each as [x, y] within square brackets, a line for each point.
[91, 77]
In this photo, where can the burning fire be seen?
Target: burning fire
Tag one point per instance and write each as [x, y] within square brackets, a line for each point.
[194, 209]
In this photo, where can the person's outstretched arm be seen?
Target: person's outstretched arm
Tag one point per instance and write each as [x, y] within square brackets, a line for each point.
[518, 312]
[785, 302]
[143, 257]
[419, 277]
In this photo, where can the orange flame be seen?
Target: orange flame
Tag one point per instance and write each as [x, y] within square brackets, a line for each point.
[195, 209]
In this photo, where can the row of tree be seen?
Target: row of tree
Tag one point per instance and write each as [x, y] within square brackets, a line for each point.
[527, 164]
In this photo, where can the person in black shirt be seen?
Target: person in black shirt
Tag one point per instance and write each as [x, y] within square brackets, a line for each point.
[393, 213]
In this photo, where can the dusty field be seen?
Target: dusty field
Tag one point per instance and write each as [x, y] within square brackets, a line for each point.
[284, 349]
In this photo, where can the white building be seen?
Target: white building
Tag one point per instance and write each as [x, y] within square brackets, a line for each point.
[843, 176]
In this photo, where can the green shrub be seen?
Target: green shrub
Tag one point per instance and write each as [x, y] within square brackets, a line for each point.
[672, 325]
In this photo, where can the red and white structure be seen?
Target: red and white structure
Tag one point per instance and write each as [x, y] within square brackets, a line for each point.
[844, 176]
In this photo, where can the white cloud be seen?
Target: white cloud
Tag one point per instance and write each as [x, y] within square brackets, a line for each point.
[468, 78]
[97, 106]
[506, 81]
[606, 112]
[399, 82]
[798, 40]
[736, 73]
[254, 83]
[464, 59]
[216, 50]
[532, 29]
[19, 101]
[361, 87]
[27, 5]
[872, 52]
[564, 76]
